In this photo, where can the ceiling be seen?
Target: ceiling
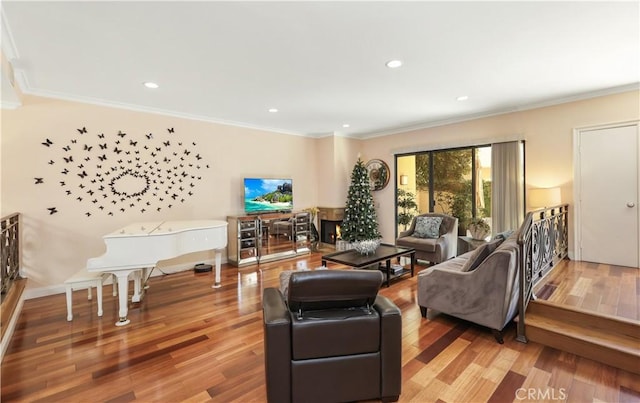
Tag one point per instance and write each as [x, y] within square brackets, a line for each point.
[322, 64]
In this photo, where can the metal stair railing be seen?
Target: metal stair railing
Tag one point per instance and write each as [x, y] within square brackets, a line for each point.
[543, 243]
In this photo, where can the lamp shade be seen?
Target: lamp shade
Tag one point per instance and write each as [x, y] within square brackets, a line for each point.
[544, 197]
[404, 179]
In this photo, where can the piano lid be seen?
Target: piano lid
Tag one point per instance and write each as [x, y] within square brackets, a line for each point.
[143, 244]
[152, 228]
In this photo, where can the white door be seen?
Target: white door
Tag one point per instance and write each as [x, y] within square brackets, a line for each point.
[609, 195]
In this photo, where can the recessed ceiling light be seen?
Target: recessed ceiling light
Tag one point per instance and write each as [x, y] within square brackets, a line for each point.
[394, 64]
[273, 110]
[149, 84]
[346, 125]
[462, 98]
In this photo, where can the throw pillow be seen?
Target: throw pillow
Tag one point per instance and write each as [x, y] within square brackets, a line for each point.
[479, 255]
[503, 235]
[427, 227]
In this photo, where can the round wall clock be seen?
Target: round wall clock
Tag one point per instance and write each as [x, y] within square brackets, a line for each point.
[378, 174]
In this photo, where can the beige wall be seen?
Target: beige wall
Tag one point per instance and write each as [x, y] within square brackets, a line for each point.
[57, 245]
[548, 133]
[336, 157]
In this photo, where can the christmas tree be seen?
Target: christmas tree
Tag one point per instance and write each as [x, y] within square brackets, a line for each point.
[360, 222]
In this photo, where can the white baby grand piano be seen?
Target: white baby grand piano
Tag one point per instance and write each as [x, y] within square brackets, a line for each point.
[139, 246]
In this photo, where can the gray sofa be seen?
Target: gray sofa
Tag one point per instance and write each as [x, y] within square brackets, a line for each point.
[486, 294]
[433, 250]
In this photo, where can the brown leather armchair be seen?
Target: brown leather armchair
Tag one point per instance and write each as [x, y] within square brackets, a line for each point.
[333, 339]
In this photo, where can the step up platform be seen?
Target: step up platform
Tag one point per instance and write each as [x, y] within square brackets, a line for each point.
[607, 339]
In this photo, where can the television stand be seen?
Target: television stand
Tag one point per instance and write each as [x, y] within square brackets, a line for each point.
[264, 237]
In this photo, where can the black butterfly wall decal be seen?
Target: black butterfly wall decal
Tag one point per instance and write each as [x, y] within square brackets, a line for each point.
[198, 156]
[121, 134]
[133, 143]
[103, 146]
[187, 152]
[83, 174]
[115, 150]
[52, 210]
[87, 159]
[83, 130]
[62, 183]
[38, 180]
[67, 160]
[88, 214]
[67, 148]
[149, 136]
[51, 162]
[74, 141]
[101, 135]
[68, 192]
[81, 166]
[166, 143]
[88, 148]
[47, 143]
[66, 171]
[102, 157]
[170, 130]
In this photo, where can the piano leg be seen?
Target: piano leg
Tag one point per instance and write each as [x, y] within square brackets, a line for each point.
[137, 286]
[123, 295]
[218, 261]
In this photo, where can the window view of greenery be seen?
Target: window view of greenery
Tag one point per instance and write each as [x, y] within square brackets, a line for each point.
[456, 182]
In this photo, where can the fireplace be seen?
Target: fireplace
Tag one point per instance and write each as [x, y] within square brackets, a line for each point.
[330, 219]
[329, 231]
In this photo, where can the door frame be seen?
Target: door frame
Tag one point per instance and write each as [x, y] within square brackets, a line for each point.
[577, 174]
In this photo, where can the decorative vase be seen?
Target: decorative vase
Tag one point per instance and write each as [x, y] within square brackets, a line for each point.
[478, 233]
[367, 246]
[315, 238]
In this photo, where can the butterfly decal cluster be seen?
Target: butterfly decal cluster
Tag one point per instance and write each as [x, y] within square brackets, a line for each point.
[124, 172]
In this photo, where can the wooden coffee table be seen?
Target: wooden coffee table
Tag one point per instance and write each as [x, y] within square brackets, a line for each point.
[384, 253]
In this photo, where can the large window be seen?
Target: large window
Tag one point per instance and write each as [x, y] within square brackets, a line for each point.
[456, 182]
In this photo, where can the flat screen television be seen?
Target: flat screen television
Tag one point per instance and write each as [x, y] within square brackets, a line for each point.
[266, 194]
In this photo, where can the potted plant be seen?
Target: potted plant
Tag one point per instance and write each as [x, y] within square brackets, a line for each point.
[479, 228]
[407, 206]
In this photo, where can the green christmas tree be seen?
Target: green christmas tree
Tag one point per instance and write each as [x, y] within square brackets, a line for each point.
[360, 222]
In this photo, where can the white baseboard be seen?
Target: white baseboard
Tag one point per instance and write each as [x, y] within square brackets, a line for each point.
[30, 293]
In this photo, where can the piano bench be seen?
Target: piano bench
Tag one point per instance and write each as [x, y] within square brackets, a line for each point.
[85, 279]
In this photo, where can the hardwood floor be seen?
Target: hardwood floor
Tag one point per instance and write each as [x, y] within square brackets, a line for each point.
[189, 342]
[602, 288]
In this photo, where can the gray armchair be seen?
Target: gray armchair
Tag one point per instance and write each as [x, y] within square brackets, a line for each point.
[433, 250]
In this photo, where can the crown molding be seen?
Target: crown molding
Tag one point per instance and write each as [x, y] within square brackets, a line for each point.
[504, 111]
